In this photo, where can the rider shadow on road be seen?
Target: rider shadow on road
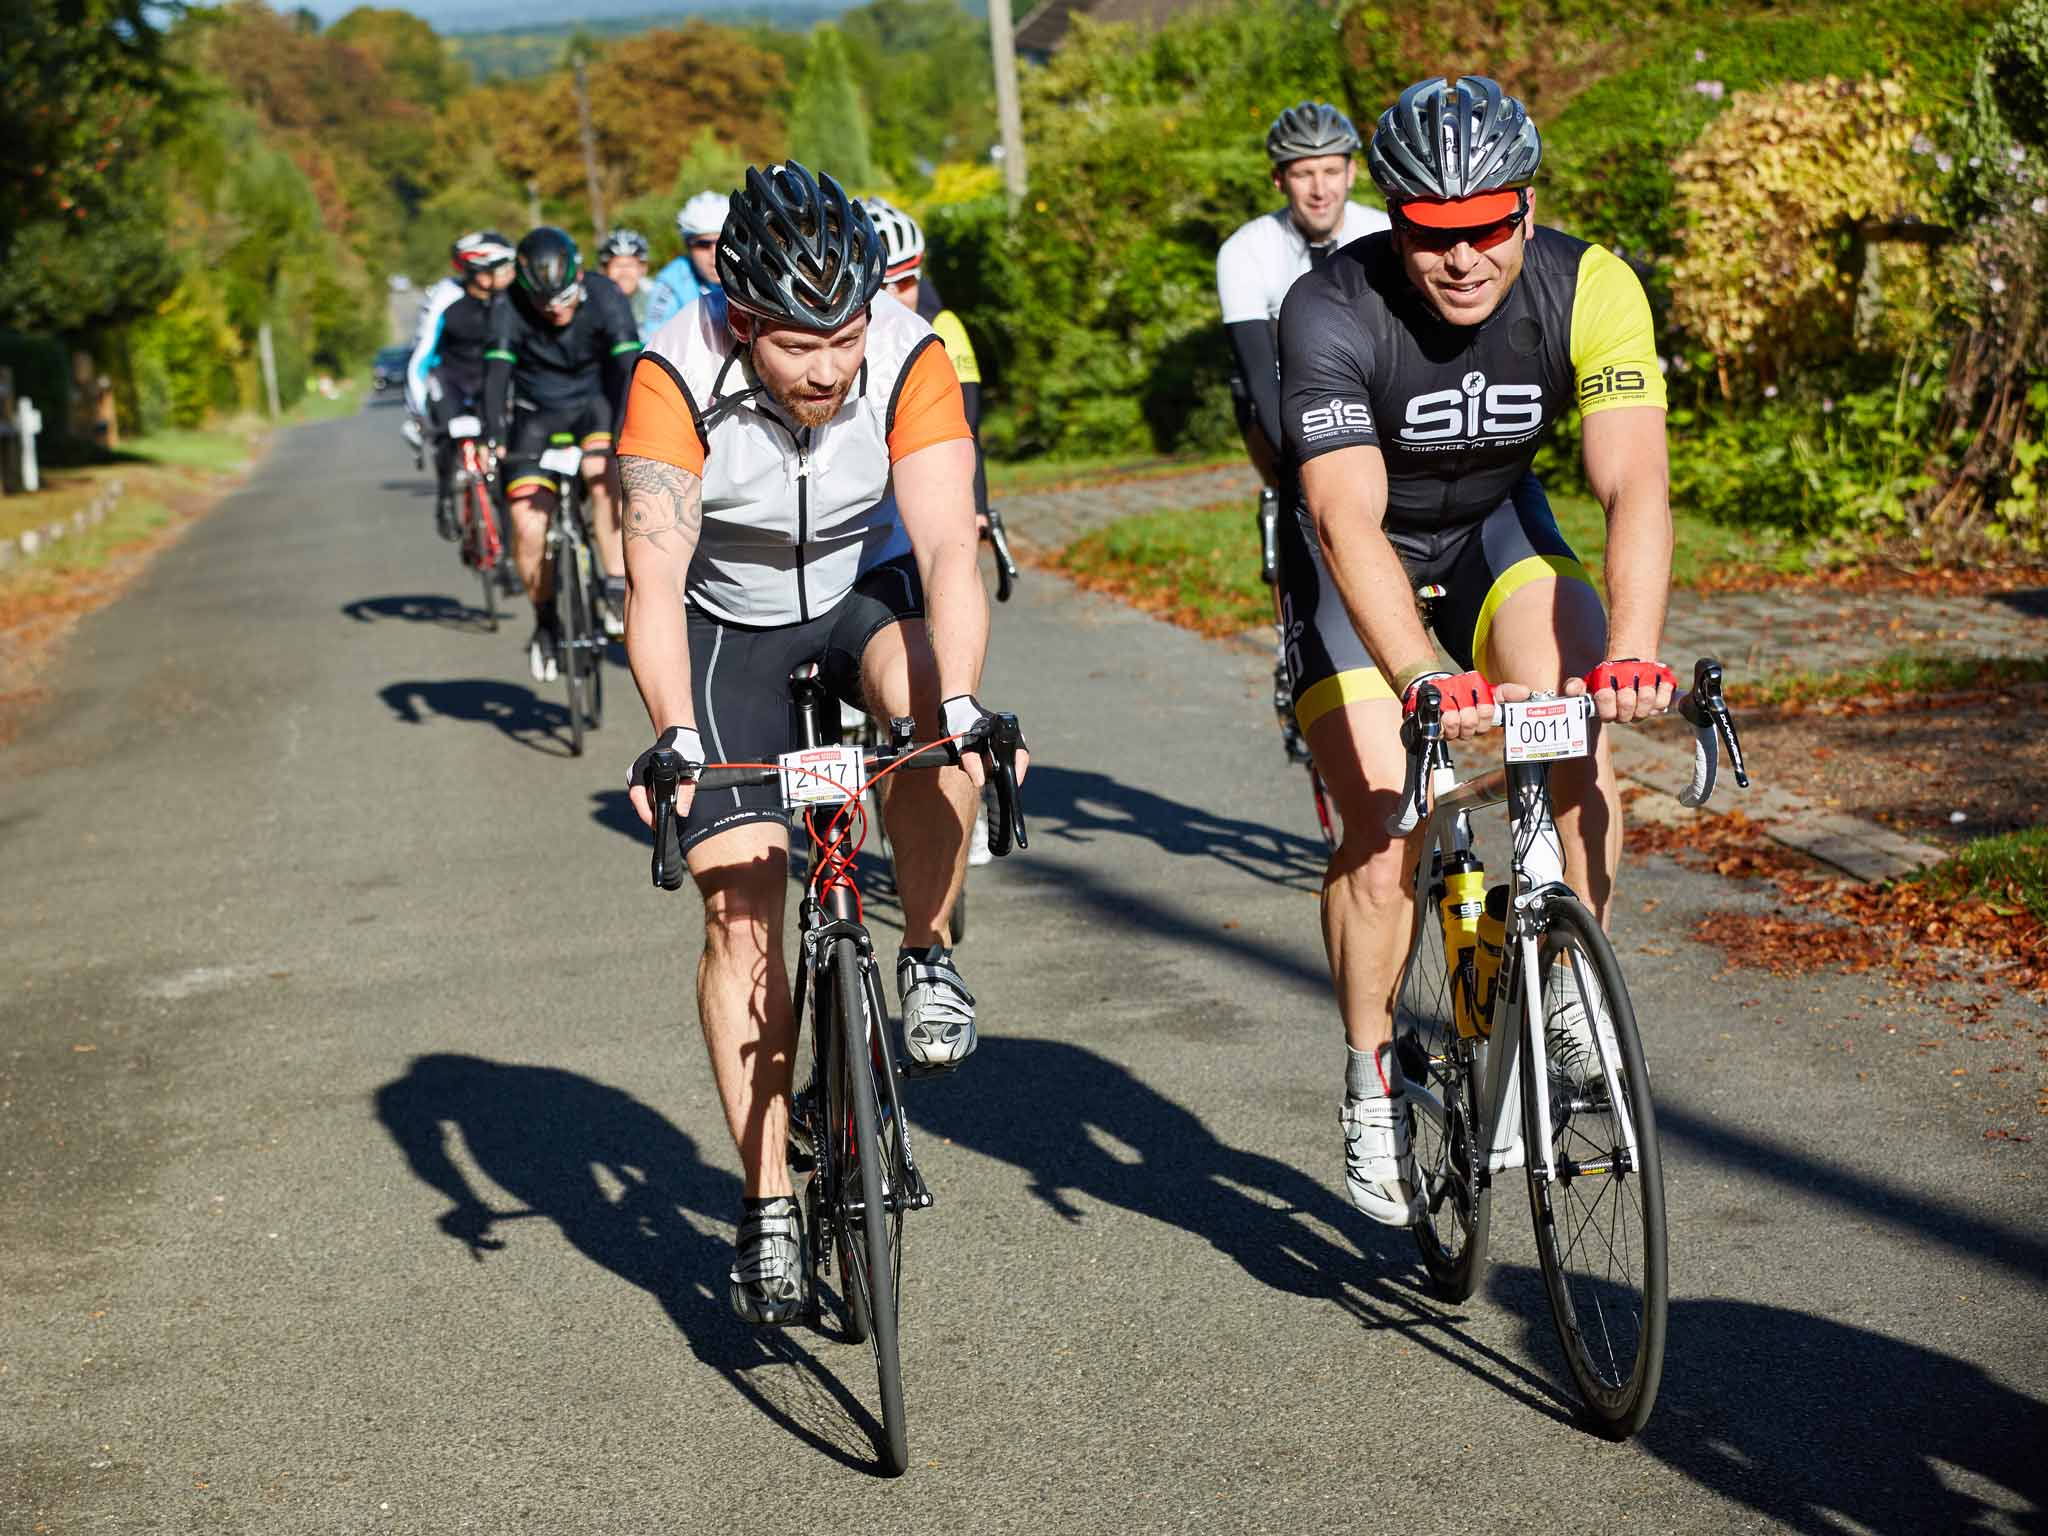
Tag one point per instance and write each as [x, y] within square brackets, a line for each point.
[1078, 806]
[1822, 1426]
[630, 1193]
[524, 717]
[418, 608]
[1080, 1124]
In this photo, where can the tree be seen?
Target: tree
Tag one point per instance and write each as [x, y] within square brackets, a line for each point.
[828, 130]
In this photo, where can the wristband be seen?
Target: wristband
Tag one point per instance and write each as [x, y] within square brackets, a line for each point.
[1410, 675]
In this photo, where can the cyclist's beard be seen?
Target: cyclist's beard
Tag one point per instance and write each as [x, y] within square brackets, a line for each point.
[811, 412]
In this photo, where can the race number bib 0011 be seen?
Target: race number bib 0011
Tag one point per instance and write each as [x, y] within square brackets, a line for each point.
[820, 775]
[562, 461]
[466, 426]
[1540, 730]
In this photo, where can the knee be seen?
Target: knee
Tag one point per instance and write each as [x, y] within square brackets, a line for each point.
[1367, 864]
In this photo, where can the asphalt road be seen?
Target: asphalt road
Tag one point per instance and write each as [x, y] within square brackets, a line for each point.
[308, 925]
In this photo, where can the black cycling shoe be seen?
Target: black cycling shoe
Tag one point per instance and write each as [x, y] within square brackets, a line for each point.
[444, 519]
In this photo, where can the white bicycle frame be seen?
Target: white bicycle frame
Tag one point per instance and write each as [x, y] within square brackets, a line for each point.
[1536, 871]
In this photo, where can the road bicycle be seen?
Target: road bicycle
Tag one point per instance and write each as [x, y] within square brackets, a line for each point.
[481, 517]
[864, 1177]
[579, 590]
[856, 725]
[1498, 1077]
[1291, 740]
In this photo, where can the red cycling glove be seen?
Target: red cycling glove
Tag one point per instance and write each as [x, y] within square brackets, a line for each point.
[1457, 690]
[1629, 672]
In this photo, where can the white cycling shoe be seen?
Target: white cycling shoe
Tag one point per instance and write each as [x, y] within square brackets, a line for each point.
[978, 851]
[1379, 1161]
[1568, 1038]
[543, 653]
[938, 1010]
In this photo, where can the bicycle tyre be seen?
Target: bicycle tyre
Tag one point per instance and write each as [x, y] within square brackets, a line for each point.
[875, 1248]
[569, 594]
[1457, 1218]
[600, 643]
[478, 535]
[1612, 1328]
[956, 925]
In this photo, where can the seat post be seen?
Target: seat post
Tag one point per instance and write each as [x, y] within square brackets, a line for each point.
[807, 696]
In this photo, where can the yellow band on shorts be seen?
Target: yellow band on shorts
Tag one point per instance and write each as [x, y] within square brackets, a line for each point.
[1337, 690]
[596, 440]
[1510, 581]
[530, 483]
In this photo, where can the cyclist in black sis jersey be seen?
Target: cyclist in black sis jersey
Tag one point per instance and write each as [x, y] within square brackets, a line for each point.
[565, 340]
[1420, 370]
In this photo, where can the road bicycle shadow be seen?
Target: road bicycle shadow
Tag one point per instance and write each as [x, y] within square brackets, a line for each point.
[1082, 1125]
[629, 1192]
[524, 717]
[418, 608]
[1078, 806]
[1822, 1426]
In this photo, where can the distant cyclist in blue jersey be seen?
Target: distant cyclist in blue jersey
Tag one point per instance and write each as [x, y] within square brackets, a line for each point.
[695, 272]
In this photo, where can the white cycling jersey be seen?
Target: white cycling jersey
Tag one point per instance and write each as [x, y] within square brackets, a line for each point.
[1258, 264]
[426, 336]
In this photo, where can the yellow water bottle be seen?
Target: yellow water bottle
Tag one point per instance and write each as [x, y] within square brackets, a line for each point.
[1493, 937]
[1463, 905]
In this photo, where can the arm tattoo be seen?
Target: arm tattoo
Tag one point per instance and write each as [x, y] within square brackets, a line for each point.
[660, 499]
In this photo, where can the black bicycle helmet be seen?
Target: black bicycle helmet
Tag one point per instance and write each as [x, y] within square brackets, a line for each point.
[550, 267]
[797, 251]
[1443, 143]
[623, 242]
[1310, 128]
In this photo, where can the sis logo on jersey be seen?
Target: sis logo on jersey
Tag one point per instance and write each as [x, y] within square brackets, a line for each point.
[1613, 383]
[1337, 416]
[1474, 413]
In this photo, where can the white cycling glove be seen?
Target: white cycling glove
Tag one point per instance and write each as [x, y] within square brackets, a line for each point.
[682, 740]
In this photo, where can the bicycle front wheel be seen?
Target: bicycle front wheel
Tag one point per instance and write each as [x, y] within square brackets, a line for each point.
[478, 534]
[1444, 1072]
[871, 1198]
[575, 626]
[1600, 1217]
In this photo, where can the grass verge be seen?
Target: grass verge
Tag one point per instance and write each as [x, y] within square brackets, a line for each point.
[1006, 478]
[1199, 565]
[2009, 874]
[1902, 677]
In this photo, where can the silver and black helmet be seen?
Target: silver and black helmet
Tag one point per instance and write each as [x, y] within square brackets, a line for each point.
[796, 250]
[1310, 128]
[1442, 142]
[623, 242]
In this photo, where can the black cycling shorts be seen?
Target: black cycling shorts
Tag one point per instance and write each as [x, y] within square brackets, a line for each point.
[739, 677]
[1479, 565]
[587, 424]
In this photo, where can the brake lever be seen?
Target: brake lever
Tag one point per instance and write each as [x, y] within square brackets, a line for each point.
[1006, 567]
[664, 775]
[1002, 744]
[1422, 734]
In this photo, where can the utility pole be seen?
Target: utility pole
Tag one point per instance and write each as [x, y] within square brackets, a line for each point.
[1009, 120]
[266, 354]
[597, 222]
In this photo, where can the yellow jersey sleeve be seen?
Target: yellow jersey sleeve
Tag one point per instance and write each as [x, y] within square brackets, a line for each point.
[1614, 347]
[953, 337]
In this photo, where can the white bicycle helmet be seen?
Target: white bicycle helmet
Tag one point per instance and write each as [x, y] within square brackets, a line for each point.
[703, 214]
[902, 240]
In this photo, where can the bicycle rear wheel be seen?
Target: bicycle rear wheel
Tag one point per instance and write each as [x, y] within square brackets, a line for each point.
[871, 1196]
[1444, 1073]
[1600, 1223]
[575, 622]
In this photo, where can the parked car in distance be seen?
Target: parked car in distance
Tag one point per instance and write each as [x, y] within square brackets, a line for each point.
[388, 372]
